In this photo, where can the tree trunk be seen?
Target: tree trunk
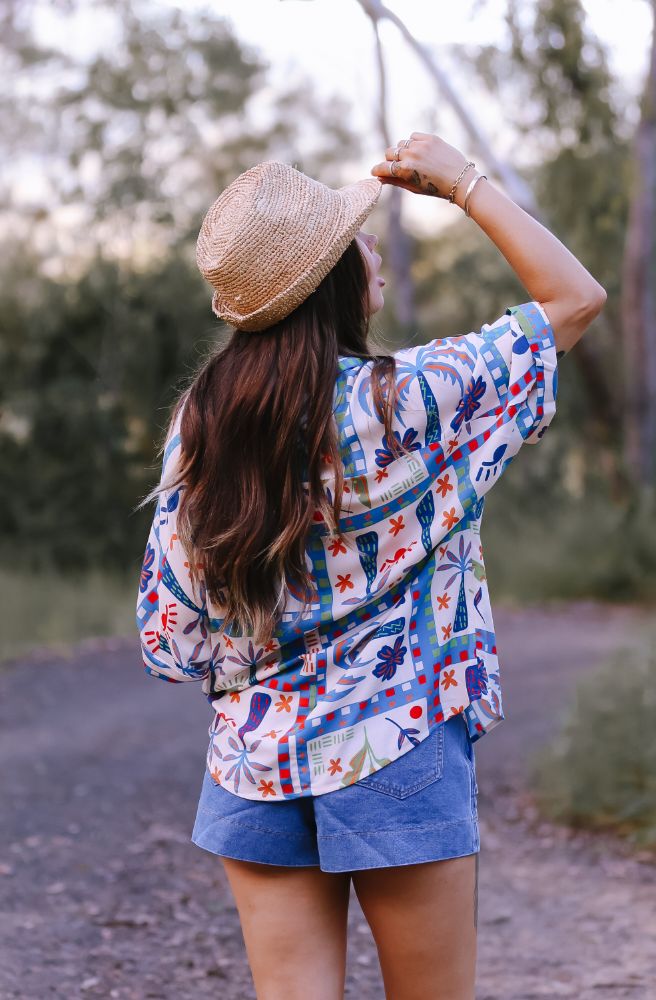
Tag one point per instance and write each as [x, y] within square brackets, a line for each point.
[639, 292]
[399, 252]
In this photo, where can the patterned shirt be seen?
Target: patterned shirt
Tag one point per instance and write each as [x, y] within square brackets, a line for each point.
[401, 636]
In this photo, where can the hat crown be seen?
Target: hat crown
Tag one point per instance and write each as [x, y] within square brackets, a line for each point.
[272, 235]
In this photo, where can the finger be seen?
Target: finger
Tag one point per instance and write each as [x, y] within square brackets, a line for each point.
[408, 178]
[401, 172]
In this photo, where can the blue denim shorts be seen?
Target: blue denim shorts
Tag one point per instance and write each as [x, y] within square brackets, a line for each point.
[421, 807]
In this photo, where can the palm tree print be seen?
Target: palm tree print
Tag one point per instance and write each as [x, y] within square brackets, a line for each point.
[463, 564]
[242, 763]
[252, 661]
[427, 360]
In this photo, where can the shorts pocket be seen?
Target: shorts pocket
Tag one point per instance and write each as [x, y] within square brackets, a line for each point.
[415, 769]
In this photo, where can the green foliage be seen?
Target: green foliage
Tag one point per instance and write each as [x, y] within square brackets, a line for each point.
[541, 546]
[600, 772]
[71, 607]
[560, 68]
[88, 370]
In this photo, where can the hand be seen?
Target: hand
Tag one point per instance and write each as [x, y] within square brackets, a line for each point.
[428, 165]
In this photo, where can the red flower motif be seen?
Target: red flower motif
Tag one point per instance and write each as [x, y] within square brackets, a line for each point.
[449, 518]
[336, 546]
[443, 485]
[396, 525]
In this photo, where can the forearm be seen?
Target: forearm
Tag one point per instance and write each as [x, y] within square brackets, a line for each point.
[542, 263]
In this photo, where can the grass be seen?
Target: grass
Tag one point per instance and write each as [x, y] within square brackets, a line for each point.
[47, 609]
[600, 772]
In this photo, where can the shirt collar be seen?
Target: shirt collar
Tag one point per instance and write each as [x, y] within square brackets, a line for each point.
[344, 363]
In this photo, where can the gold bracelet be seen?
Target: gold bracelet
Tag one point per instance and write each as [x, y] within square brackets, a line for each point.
[452, 192]
[472, 185]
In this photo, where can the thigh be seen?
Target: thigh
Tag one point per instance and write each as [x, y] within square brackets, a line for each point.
[294, 922]
[423, 918]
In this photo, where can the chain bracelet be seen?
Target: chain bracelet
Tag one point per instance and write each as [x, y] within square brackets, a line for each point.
[452, 192]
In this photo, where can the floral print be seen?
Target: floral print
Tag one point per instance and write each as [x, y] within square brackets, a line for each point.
[400, 636]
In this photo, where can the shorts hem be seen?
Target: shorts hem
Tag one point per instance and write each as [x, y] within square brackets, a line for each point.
[244, 843]
[390, 849]
[235, 855]
[377, 849]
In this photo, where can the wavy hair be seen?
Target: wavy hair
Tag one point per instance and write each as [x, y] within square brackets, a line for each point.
[257, 426]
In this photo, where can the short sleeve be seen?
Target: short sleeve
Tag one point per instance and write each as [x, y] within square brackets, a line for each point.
[172, 621]
[484, 394]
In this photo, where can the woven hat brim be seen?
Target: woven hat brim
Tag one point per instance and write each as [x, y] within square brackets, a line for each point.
[356, 203]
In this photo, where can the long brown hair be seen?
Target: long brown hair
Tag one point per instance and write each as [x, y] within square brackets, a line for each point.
[257, 426]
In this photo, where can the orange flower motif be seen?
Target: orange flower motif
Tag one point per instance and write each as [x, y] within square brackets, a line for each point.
[335, 765]
[336, 546]
[272, 734]
[443, 550]
[381, 474]
[397, 525]
[449, 518]
[447, 678]
[452, 443]
[216, 774]
[187, 565]
[443, 601]
[344, 582]
[443, 485]
[234, 696]
[266, 787]
[284, 704]
[271, 644]
[458, 710]
[447, 631]
[228, 641]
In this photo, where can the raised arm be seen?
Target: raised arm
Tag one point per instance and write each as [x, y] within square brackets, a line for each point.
[551, 274]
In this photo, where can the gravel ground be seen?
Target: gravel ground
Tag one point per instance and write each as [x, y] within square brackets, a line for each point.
[102, 894]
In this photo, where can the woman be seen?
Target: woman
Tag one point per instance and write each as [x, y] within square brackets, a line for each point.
[315, 562]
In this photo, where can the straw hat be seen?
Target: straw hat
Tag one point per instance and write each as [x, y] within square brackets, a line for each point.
[272, 236]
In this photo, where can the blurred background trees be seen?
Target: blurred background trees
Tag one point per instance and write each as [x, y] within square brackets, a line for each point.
[103, 311]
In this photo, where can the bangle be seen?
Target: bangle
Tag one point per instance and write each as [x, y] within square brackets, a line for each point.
[452, 192]
[471, 187]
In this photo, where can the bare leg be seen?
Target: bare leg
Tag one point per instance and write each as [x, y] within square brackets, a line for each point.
[294, 923]
[423, 918]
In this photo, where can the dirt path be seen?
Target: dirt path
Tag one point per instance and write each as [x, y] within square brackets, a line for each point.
[102, 895]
